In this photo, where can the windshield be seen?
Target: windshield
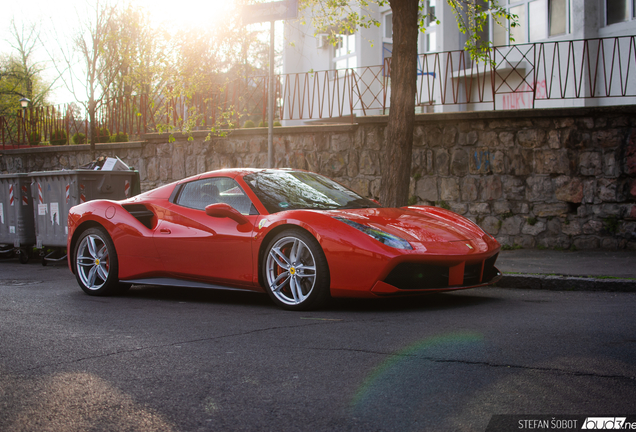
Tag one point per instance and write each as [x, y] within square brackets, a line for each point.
[292, 190]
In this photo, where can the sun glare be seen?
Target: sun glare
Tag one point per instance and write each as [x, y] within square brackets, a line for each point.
[192, 13]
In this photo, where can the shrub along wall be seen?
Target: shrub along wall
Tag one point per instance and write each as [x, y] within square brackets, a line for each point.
[558, 178]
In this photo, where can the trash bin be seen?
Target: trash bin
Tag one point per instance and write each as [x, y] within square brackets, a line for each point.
[17, 228]
[55, 192]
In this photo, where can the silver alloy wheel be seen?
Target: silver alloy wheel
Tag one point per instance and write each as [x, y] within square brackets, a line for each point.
[93, 264]
[290, 270]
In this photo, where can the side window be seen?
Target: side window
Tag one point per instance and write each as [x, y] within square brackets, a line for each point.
[199, 194]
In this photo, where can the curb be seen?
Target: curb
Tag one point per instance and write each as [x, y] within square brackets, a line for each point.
[566, 283]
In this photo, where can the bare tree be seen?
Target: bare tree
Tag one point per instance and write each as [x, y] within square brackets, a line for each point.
[88, 67]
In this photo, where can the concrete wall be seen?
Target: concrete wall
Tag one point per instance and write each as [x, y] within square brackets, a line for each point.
[558, 178]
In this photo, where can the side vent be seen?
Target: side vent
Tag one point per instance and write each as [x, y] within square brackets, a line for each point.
[142, 214]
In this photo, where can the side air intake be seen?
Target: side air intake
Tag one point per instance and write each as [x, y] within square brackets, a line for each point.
[142, 214]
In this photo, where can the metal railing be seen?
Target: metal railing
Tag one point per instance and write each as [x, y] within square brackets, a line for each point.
[545, 74]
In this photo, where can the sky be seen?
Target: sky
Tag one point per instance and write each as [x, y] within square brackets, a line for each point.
[62, 14]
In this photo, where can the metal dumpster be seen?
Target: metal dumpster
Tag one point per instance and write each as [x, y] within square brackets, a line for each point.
[17, 228]
[55, 192]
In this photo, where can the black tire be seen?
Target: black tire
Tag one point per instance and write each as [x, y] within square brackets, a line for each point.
[95, 263]
[295, 271]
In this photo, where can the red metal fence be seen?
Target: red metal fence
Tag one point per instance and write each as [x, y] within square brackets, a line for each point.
[546, 74]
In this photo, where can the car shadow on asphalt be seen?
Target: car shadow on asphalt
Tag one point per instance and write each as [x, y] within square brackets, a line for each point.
[425, 302]
[432, 301]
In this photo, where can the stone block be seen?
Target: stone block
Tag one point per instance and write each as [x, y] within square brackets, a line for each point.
[575, 138]
[564, 122]
[335, 166]
[533, 230]
[341, 142]
[630, 155]
[554, 139]
[610, 164]
[607, 138]
[449, 189]
[513, 187]
[369, 163]
[507, 139]
[491, 225]
[441, 162]
[459, 208]
[568, 189]
[539, 188]
[501, 207]
[481, 161]
[467, 138]
[589, 191]
[512, 225]
[525, 241]
[590, 164]
[572, 228]
[479, 208]
[531, 138]
[191, 165]
[520, 161]
[450, 136]
[459, 162]
[426, 189]
[592, 227]
[491, 188]
[433, 137]
[550, 209]
[552, 162]
[606, 190]
[469, 189]
[585, 122]
[498, 162]
[586, 243]
[489, 139]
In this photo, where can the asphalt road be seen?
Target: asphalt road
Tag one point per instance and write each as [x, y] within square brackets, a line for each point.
[168, 359]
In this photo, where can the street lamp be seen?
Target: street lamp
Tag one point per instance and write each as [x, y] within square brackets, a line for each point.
[24, 103]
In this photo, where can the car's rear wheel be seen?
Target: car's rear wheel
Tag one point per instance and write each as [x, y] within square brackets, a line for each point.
[96, 266]
[295, 271]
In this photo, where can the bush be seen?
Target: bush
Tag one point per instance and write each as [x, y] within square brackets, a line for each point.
[119, 137]
[79, 138]
[58, 137]
[264, 124]
[35, 138]
[249, 124]
[103, 135]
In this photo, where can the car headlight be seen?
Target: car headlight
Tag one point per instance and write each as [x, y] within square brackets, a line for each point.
[379, 235]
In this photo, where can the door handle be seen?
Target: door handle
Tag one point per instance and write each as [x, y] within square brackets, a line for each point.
[165, 231]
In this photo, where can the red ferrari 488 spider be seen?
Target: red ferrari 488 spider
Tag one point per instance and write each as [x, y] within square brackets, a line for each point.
[298, 236]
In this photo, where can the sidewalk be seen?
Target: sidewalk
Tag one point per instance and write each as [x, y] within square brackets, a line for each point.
[589, 270]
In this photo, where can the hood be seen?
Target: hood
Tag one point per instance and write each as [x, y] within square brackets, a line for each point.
[415, 225]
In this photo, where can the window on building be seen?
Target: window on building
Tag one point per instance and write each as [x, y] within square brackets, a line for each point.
[536, 20]
[388, 26]
[617, 11]
[430, 36]
[345, 52]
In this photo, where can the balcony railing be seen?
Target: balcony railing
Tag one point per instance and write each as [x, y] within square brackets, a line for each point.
[546, 74]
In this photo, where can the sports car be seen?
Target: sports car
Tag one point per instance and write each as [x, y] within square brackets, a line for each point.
[298, 236]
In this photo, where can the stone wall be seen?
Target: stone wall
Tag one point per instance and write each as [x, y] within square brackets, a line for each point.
[558, 178]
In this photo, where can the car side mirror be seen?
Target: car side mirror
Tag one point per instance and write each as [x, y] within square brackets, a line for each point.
[222, 210]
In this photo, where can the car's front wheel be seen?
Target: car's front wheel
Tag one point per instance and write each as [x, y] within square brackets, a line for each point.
[96, 267]
[295, 271]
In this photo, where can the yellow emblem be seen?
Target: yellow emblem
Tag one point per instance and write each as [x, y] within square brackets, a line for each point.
[292, 270]
[96, 261]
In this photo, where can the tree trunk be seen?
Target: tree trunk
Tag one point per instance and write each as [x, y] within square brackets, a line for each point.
[396, 172]
[92, 118]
